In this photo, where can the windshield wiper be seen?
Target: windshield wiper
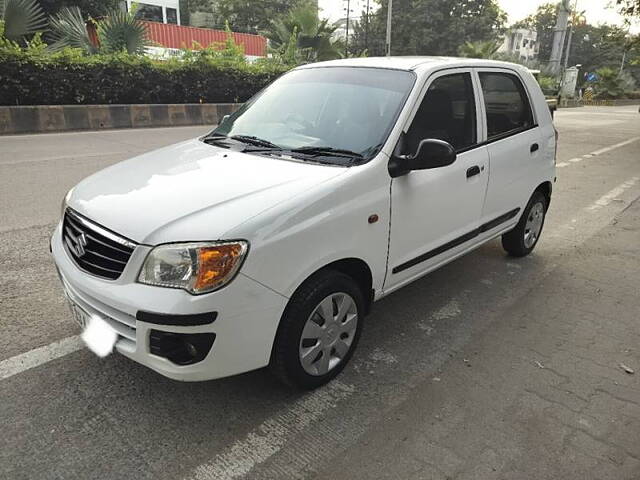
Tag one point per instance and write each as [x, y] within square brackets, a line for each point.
[329, 151]
[258, 142]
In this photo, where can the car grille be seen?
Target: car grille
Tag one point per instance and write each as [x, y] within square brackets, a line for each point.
[95, 249]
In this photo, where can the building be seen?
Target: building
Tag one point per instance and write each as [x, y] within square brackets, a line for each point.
[521, 42]
[161, 11]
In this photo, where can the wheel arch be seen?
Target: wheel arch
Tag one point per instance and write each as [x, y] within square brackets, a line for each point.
[354, 267]
[545, 188]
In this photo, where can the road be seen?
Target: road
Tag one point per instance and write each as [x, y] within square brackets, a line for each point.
[491, 367]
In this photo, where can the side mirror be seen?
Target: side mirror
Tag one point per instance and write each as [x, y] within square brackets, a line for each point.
[432, 153]
[224, 119]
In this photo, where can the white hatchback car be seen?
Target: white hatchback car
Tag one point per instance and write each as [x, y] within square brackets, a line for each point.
[266, 241]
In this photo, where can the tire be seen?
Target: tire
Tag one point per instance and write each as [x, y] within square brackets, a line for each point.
[336, 339]
[521, 241]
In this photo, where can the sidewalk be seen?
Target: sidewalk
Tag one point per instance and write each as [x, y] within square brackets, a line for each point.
[562, 406]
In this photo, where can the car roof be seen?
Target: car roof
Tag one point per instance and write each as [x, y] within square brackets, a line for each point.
[411, 63]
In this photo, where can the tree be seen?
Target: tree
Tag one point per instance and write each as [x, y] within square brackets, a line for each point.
[479, 49]
[89, 8]
[544, 23]
[431, 27]
[21, 19]
[596, 47]
[244, 15]
[119, 31]
[629, 8]
[302, 30]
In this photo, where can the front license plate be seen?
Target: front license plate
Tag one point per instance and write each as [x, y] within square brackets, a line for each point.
[79, 315]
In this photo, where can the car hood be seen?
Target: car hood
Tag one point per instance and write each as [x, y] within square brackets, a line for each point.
[191, 191]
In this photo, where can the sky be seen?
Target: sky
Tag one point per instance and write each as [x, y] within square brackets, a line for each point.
[596, 11]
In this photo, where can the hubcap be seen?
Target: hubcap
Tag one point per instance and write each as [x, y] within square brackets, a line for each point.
[533, 225]
[328, 334]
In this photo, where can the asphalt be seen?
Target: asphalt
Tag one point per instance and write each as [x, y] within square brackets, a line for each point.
[490, 367]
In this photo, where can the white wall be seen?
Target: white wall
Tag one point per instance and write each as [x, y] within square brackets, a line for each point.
[160, 3]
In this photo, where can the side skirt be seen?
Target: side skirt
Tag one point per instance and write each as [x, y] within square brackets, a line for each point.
[456, 242]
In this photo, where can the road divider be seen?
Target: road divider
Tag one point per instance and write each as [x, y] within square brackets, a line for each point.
[61, 118]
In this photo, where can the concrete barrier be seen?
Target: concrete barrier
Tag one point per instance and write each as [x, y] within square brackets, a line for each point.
[60, 118]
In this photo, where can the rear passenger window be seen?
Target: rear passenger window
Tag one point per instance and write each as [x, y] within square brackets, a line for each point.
[507, 104]
[447, 112]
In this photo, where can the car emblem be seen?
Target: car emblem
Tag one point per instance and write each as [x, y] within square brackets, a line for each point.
[81, 242]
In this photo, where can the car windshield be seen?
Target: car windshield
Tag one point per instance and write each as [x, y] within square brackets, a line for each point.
[326, 112]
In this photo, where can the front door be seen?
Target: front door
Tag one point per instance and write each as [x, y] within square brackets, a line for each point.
[436, 213]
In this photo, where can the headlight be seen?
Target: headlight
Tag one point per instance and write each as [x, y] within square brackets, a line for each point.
[63, 207]
[194, 267]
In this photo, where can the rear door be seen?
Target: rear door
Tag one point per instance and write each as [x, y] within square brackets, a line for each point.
[514, 144]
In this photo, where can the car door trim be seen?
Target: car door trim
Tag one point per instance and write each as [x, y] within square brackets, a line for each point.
[457, 241]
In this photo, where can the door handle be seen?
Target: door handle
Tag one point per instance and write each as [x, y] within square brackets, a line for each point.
[534, 148]
[473, 171]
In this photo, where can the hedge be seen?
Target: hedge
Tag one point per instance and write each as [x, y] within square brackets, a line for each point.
[123, 79]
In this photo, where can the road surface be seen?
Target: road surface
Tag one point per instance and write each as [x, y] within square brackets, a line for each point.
[491, 367]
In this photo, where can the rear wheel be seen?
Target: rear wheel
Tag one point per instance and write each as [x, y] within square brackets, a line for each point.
[319, 330]
[524, 237]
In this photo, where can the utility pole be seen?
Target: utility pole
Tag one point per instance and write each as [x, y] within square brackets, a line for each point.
[388, 44]
[366, 30]
[559, 36]
[346, 38]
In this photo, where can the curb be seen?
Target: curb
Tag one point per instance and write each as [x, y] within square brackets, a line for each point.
[61, 118]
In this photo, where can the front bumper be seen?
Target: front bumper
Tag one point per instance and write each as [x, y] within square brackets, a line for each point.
[248, 314]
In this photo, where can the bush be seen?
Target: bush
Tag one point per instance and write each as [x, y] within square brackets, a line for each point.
[69, 77]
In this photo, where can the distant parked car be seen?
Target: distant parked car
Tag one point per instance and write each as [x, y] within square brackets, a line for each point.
[266, 241]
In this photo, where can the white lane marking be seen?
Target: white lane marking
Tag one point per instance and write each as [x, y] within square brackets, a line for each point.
[562, 165]
[270, 436]
[614, 147]
[609, 197]
[576, 160]
[39, 356]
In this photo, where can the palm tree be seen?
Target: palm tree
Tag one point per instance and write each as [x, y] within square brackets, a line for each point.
[21, 19]
[485, 49]
[68, 29]
[312, 37]
[120, 31]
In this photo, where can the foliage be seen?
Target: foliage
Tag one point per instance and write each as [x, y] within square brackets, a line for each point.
[548, 84]
[612, 84]
[249, 16]
[430, 27]
[629, 8]
[227, 54]
[21, 19]
[70, 77]
[89, 8]
[302, 37]
[121, 31]
[68, 29]
[595, 47]
[479, 49]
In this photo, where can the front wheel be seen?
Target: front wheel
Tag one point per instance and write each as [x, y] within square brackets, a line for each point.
[318, 331]
[524, 237]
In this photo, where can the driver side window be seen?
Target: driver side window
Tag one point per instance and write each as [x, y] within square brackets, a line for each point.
[447, 112]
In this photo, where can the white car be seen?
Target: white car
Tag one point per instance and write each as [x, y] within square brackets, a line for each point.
[265, 242]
